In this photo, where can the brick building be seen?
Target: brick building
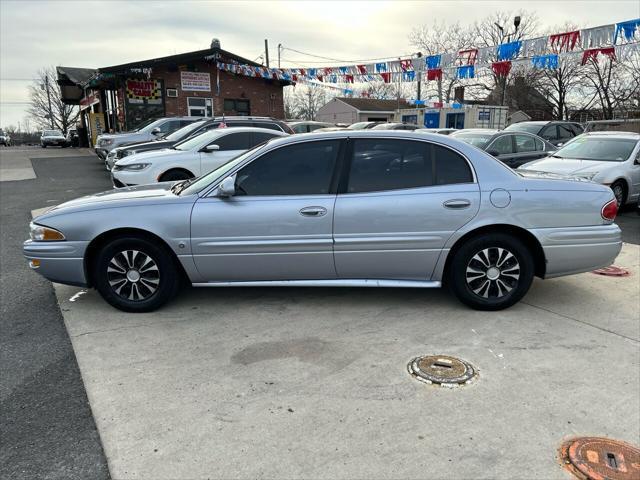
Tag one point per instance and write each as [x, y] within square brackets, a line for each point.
[184, 84]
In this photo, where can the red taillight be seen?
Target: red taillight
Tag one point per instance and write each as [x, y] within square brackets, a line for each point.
[610, 210]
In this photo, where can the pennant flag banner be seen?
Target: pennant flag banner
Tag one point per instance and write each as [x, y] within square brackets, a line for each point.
[509, 51]
[545, 61]
[617, 41]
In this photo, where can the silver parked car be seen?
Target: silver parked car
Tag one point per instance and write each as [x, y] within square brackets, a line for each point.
[350, 208]
[609, 158]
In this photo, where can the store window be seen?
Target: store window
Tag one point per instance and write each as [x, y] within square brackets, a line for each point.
[200, 107]
[237, 106]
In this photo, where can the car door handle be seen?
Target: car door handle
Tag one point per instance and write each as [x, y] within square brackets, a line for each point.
[313, 211]
[457, 204]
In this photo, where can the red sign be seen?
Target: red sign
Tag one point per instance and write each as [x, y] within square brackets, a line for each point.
[142, 89]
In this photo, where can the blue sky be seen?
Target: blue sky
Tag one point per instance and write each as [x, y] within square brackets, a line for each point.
[34, 34]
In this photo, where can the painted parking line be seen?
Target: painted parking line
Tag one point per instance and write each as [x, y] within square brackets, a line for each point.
[313, 382]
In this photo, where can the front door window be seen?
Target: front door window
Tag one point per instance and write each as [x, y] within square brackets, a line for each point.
[200, 107]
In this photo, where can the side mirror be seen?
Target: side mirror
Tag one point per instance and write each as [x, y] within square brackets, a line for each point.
[494, 153]
[156, 131]
[212, 148]
[227, 188]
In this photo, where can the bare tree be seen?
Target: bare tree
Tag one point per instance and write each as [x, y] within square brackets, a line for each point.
[46, 106]
[437, 39]
[305, 101]
[615, 84]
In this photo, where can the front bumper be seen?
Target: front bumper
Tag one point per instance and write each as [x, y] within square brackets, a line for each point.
[572, 250]
[54, 143]
[101, 152]
[60, 262]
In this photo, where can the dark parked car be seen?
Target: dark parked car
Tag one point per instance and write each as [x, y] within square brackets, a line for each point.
[192, 130]
[557, 133]
[511, 148]
[395, 126]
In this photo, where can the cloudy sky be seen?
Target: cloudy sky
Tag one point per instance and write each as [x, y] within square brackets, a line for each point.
[35, 34]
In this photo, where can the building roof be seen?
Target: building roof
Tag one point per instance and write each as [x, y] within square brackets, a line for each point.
[179, 58]
[374, 104]
[74, 75]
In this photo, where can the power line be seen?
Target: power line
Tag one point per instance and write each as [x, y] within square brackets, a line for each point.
[344, 61]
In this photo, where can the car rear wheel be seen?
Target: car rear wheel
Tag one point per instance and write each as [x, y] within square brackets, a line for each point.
[491, 272]
[620, 192]
[134, 275]
[173, 175]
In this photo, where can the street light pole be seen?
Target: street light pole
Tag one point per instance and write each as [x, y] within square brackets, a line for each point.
[46, 82]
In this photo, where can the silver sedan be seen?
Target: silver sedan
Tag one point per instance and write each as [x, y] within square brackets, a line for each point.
[350, 208]
[609, 158]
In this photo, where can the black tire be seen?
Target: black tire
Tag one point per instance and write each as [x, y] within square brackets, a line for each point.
[619, 189]
[173, 175]
[502, 291]
[166, 281]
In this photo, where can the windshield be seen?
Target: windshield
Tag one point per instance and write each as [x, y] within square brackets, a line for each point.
[525, 127]
[202, 182]
[594, 148]
[148, 125]
[195, 142]
[479, 140]
[358, 126]
[184, 132]
[52, 133]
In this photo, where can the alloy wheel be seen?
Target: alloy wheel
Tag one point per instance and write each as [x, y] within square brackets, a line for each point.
[493, 272]
[618, 192]
[133, 275]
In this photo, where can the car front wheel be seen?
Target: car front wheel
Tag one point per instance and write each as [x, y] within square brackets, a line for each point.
[134, 275]
[620, 192]
[491, 272]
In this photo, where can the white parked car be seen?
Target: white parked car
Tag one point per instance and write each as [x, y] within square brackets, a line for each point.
[192, 158]
[52, 137]
[151, 130]
[609, 158]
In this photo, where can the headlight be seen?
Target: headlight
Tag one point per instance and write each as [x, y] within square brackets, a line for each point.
[40, 233]
[588, 176]
[106, 141]
[135, 167]
[125, 153]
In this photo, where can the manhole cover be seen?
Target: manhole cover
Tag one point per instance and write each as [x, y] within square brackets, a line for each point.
[594, 458]
[442, 370]
[612, 271]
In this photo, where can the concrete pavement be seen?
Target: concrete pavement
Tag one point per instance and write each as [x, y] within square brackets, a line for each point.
[272, 383]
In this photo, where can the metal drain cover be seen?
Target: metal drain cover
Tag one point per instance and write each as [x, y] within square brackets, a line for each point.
[612, 271]
[442, 370]
[594, 458]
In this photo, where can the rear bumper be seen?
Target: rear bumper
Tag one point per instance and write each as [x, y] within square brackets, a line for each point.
[579, 249]
[60, 262]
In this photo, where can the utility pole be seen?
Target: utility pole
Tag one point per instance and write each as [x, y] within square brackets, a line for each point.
[420, 71]
[46, 82]
[266, 51]
[279, 50]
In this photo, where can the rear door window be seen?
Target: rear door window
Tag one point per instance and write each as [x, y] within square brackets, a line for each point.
[502, 145]
[234, 141]
[526, 143]
[549, 133]
[382, 164]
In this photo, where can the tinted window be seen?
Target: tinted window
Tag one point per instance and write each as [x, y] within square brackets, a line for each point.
[565, 132]
[389, 165]
[549, 133]
[379, 165]
[525, 143]
[170, 126]
[450, 167]
[300, 128]
[501, 145]
[234, 141]
[259, 137]
[302, 169]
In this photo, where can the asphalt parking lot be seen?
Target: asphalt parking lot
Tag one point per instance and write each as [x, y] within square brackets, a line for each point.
[274, 382]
